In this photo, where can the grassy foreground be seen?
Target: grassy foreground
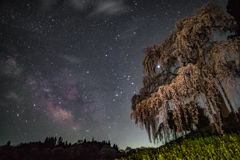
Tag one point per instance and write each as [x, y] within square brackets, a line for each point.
[223, 147]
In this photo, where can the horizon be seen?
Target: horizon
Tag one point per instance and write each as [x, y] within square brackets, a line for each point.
[100, 141]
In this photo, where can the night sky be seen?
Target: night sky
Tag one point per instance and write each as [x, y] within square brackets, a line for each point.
[69, 68]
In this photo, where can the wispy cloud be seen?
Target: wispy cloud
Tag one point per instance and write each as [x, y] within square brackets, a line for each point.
[10, 67]
[13, 96]
[106, 7]
[80, 4]
[72, 59]
[111, 7]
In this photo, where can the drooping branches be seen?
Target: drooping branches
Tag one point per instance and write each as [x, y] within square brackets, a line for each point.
[186, 66]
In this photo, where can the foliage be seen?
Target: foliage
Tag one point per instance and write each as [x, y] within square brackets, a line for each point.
[187, 126]
[107, 152]
[214, 147]
[181, 72]
[55, 149]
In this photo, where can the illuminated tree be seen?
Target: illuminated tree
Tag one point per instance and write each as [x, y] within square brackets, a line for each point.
[190, 70]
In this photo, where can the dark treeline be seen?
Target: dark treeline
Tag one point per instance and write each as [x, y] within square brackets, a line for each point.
[56, 149]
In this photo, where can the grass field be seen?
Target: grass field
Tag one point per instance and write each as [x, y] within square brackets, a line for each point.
[215, 147]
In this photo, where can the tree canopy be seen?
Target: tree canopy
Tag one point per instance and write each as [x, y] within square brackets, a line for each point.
[188, 72]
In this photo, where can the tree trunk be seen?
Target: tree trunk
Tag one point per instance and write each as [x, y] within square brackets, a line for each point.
[175, 134]
[183, 133]
[224, 110]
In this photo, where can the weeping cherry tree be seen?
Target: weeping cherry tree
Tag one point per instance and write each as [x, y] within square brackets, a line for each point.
[190, 71]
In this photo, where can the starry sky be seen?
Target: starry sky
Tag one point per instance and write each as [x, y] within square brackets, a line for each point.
[69, 68]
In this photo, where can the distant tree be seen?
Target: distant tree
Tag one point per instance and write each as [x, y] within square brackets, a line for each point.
[128, 148]
[8, 152]
[68, 154]
[187, 69]
[47, 152]
[8, 143]
[89, 151]
[35, 152]
[80, 141]
[115, 147]
[46, 140]
[108, 152]
[58, 152]
[50, 142]
[60, 141]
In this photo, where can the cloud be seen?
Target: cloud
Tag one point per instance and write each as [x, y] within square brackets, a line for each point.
[107, 7]
[11, 68]
[12, 71]
[110, 7]
[71, 59]
[14, 96]
[80, 4]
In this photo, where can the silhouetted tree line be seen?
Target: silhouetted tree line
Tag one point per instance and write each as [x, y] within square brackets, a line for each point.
[56, 149]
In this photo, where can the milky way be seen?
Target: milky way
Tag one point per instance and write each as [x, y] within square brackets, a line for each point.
[70, 68]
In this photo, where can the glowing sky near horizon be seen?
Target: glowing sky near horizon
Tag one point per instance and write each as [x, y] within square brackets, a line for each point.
[70, 68]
